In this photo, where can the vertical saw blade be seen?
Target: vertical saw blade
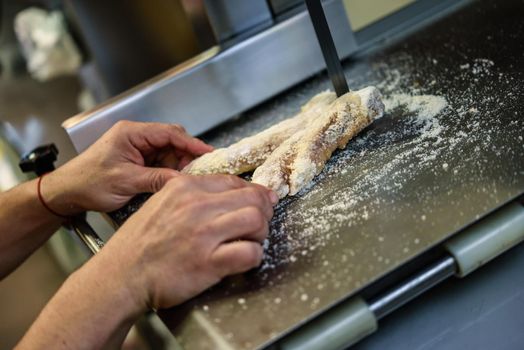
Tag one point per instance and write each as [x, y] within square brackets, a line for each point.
[334, 67]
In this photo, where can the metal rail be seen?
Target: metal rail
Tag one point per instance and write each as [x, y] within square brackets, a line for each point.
[87, 234]
[410, 288]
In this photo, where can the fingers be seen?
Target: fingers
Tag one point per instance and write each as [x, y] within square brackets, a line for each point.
[215, 195]
[152, 179]
[147, 137]
[237, 257]
[185, 159]
[246, 197]
[221, 183]
[211, 205]
[248, 223]
[216, 183]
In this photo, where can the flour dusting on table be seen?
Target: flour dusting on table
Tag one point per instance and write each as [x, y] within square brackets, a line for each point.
[419, 142]
[319, 221]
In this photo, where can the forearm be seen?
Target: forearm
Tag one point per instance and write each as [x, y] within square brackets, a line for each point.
[93, 309]
[24, 225]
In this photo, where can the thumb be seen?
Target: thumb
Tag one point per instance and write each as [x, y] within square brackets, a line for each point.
[153, 179]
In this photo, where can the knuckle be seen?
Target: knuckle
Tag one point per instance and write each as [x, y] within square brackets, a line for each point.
[233, 181]
[114, 173]
[172, 186]
[172, 183]
[179, 127]
[179, 182]
[156, 180]
[254, 218]
[122, 124]
[200, 203]
[254, 195]
[253, 255]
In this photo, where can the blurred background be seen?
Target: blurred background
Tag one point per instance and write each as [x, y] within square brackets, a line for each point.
[58, 58]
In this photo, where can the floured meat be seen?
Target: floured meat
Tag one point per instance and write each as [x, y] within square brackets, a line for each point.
[250, 152]
[297, 160]
[288, 155]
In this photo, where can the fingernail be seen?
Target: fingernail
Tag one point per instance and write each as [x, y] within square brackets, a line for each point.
[273, 197]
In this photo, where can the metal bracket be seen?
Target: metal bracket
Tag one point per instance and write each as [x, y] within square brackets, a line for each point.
[338, 328]
[488, 238]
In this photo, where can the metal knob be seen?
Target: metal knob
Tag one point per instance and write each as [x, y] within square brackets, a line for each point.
[41, 160]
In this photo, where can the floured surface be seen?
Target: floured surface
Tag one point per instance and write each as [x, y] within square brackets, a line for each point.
[448, 151]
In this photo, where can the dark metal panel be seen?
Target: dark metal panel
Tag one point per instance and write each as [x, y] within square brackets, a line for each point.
[231, 17]
[280, 6]
[132, 40]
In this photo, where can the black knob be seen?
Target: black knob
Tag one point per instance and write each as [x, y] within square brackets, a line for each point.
[41, 160]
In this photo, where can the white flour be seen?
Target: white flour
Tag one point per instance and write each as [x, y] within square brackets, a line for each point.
[419, 144]
[345, 207]
[425, 106]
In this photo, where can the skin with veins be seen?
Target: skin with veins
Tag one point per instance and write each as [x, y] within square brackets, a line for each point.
[250, 152]
[300, 158]
[288, 155]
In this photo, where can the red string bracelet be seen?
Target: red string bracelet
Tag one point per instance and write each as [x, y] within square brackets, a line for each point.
[41, 198]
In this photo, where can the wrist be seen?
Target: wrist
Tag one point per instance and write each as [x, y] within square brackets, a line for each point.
[124, 269]
[103, 283]
[58, 195]
[91, 309]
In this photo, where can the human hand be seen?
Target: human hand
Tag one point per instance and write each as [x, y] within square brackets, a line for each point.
[187, 237]
[129, 158]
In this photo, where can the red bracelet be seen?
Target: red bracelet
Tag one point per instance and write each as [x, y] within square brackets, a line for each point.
[41, 198]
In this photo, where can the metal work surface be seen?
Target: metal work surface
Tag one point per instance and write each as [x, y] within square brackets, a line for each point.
[448, 151]
[211, 89]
